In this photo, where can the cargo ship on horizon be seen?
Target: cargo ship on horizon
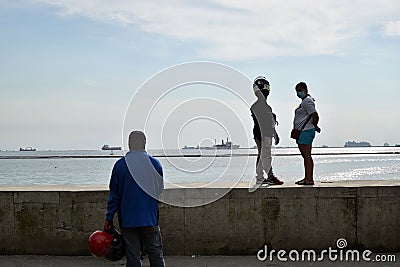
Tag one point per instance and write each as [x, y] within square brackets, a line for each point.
[356, 144]
[224, 145]
[27, 149]
[107, 147]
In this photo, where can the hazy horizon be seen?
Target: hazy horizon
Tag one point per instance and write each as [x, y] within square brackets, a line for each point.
[189, 145]
[70, 69]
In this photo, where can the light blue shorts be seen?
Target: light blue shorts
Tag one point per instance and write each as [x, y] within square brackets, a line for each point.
[306, 137]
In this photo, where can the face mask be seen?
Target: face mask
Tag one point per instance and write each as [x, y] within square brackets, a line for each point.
[301, 94]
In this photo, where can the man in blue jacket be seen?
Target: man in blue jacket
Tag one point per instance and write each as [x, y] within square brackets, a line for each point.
[135, 185]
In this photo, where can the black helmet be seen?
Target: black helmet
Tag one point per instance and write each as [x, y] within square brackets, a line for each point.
[262, 83]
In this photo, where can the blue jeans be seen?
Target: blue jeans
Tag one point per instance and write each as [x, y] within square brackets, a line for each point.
[146, 237]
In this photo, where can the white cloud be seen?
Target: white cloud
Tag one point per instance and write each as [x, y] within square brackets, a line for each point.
[237, 30]
[392, 28]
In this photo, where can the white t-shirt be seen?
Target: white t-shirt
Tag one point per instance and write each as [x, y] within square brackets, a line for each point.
[301, 114]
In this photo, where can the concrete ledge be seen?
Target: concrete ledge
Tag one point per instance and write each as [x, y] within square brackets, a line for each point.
[56, 220]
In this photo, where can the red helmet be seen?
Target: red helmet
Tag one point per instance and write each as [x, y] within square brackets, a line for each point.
[109, 246]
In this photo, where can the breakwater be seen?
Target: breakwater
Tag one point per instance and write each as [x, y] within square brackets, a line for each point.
[57, 220]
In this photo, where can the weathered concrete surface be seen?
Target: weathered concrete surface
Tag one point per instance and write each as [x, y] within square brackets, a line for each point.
[58, 220]
[173, 261]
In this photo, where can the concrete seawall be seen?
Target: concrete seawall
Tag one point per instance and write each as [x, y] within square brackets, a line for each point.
[57, 220]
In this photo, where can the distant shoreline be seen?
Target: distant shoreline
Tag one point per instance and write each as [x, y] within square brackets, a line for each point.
[240, 148]
[192, 155]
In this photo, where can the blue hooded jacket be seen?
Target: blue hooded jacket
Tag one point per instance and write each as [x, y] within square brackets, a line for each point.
[135, 207]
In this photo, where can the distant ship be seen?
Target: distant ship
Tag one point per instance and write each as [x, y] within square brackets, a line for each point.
[27, 149]
[107, 147]
[224, 145]
[190, 147]
[227, 145]
[356, 144]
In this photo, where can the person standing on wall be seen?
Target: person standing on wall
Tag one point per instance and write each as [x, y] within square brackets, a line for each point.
[135, 185]
[263, 131]
[305, 124]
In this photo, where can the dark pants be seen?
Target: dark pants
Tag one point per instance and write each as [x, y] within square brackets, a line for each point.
[150, 238]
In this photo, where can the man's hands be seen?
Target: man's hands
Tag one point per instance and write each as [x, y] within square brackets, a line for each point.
[109, 227]
[317, 129]
[277, 139]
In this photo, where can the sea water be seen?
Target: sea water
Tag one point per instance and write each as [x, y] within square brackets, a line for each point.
[84, 167]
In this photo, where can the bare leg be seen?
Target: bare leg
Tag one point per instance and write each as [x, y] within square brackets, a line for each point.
[305, 151]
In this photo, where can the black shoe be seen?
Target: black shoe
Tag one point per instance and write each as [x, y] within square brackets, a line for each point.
[272, 180]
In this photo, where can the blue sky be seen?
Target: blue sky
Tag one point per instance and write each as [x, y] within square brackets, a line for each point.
[70, 68]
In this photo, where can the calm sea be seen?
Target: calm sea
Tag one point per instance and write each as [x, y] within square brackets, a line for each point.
[94, 166]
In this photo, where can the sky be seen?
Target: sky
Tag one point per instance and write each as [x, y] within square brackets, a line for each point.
[70, 69]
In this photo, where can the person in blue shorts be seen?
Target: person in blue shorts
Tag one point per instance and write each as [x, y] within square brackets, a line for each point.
[306, 119]
[135, 186]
